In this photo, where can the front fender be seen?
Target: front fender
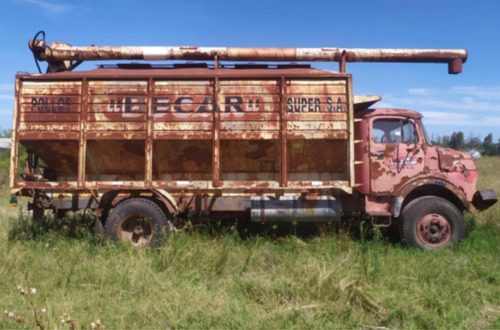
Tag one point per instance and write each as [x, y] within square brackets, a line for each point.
[430, 186]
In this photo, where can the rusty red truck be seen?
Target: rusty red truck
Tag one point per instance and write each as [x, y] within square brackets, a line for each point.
[141, 143]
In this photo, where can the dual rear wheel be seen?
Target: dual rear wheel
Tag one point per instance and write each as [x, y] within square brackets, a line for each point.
[139, 222]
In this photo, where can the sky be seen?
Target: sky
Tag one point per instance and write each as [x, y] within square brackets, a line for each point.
[468, 102]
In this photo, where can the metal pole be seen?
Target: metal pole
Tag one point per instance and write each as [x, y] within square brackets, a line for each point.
[58, 52]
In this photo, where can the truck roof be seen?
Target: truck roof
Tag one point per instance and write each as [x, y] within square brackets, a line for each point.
[154, 72]
[388, 112]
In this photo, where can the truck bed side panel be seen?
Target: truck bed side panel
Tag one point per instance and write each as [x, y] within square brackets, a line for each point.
[143, 132]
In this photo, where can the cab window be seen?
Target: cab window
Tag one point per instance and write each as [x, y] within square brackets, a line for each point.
[394, 131]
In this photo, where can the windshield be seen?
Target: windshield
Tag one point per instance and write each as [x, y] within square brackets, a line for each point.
[426, 136]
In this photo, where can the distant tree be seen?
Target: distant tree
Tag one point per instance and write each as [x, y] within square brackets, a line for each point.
[5, 133]
[457, 140]
[488, 145]
[473, 143]
[445, 142]
[460, 140]
[436, 140]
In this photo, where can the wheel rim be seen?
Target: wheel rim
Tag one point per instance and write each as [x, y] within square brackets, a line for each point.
[434, 230]
[135, 228]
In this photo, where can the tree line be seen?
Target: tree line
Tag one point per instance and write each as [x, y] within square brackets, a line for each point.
[457, 141]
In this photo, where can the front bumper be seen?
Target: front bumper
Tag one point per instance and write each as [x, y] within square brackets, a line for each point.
[483, 199]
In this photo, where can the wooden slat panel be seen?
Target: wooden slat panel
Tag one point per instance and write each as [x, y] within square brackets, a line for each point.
[184, 103]
[179, 117]
[171, 96]
[322, 86]
[255, 116]
[50, 99]
[183, 126]
[245, 82]
[249, 125]
[116, 108]
[245, 98]
[110, 116]
[134, 135]
[51, 88]
[48, 185]
[335, 89]
[49, 117]
[183, 86]
[249, 89]
[246, 135]
[118, 98]
[116, 126]
[310, 105]
[316, 125]
[315, 82]
[48, 135]
[323, 98]
[317, 184]
[28, 108]
[250, 184]
[182, 184]
[301, 135]
[317, 116]
[120, 87]
[183, 90]
[63, 126]
[176, 135]
[246, 106]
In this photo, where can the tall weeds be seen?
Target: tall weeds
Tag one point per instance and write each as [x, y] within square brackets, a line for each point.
[213, 277]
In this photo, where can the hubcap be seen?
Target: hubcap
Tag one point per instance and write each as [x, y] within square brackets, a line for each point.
[135, 228]
[434, 230]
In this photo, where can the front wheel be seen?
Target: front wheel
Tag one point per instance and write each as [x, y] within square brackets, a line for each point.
[431, 223]
[138, 221]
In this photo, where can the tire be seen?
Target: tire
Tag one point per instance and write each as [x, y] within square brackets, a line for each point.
[138, 221]
[99, 234]
[432, 223]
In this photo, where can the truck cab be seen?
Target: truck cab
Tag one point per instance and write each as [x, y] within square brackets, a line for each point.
[397, 167]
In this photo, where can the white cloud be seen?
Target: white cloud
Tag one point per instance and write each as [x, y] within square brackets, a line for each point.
[421, 91]
[468, 100]
[464, 103]
[55, 8]
[481, 92]
[4, 112]
[460, 107]
[459, 119]
[383, 105]
[7, 87]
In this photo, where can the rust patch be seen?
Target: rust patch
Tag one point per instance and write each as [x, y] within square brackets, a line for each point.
[376, 171]
[389, 149]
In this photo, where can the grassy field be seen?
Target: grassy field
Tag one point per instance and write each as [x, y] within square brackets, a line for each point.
[214, 279]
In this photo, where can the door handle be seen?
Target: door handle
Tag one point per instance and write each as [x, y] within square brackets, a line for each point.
[377, 153]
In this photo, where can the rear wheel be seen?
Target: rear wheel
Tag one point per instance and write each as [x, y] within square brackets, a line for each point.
[431, 223]
[139, 221]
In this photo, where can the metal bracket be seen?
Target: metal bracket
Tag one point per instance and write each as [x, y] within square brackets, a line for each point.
[386, 224]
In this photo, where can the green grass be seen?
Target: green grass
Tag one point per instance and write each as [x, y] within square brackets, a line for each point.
[214, 279]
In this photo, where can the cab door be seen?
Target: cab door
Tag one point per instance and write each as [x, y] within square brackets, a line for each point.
[396, 154]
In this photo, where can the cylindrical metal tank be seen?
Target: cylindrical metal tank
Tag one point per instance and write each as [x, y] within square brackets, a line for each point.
[294, 208]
